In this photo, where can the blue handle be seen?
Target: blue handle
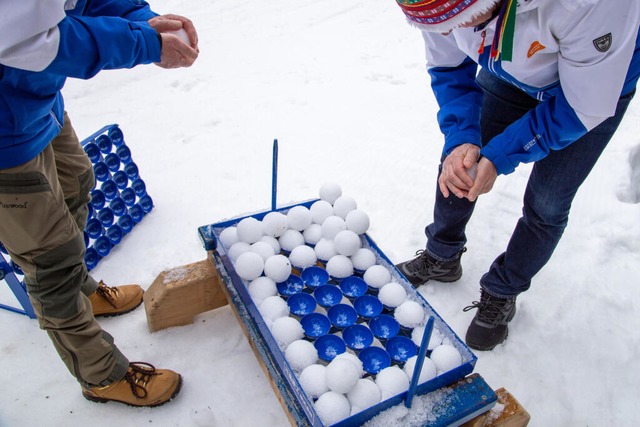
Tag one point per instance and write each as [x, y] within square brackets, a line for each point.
[274, 175]
[428, 329]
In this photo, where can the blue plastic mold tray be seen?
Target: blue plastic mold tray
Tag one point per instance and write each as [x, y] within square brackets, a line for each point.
[299, 406]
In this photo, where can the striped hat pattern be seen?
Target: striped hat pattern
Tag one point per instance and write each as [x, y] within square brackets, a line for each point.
[443, 15]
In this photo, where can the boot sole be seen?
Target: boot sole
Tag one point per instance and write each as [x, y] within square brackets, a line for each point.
[153, 405]
[119, 313]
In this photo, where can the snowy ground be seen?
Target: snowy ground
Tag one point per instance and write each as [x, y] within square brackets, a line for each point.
[342, 86]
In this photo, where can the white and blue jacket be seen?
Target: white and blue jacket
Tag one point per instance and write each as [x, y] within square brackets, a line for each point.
[575, 56]
[42, 42]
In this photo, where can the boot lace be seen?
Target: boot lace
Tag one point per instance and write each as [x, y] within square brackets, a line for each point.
[422, 262]
[138, 376]
[108, 293]
[490, 309]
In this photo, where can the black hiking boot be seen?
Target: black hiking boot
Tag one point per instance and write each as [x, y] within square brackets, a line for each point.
[489, 326]
[424, 267]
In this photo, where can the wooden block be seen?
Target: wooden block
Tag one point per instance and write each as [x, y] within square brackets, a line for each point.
[178, 294]
[507, 413]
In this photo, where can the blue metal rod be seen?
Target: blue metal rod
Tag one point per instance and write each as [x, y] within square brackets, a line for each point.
[274, 175]
[428, 329]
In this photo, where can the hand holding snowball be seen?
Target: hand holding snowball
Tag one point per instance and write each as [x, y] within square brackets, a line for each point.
[175, 52]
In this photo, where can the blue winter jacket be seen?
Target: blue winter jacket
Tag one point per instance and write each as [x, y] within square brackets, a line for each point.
[42, 42]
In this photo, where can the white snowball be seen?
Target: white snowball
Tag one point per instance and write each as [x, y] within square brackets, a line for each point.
[332, 407]
[392, 294]
[347, 242]
[343, 205]
[353, 359]
[330, 191]
[273, 308]
[249, 230]
[286, 330]
[434, 341]
[357, 221]
[332, 226]
[237, 249]
[264, 249]
[339, 266]
[249, 265]
[325, 249]
[364, 395]
[320, 211]
[301, 354]
[363, 259]
[290, 240]
[182, 35]
[409, 314]
[303, 256]
[313, 380]
[262, 288]
[277, 268]
[342, 375]
[228, 237]
[273, 242]
[312, 234]
[299, 217]
[428, 371]
[274, 224]
[446, 357]
[377, 276]
[392, 381]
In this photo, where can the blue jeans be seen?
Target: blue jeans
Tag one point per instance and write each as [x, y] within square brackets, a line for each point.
[552, 185]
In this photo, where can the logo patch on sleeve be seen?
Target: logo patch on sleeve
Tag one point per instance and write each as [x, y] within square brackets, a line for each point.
[603, 43]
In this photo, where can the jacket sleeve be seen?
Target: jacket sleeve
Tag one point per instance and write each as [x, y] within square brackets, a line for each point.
[454, 87]
[133, 10]
[88, 45]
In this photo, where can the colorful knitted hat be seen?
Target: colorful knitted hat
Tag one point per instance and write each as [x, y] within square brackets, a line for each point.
[443, 15]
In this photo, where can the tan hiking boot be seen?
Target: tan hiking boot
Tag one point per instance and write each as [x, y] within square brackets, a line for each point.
[114, 301]
[142, 385]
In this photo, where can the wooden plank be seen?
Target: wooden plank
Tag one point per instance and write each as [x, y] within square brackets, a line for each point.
[178, 294]
[507, 413]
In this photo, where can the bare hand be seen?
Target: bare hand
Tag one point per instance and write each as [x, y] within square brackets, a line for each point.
[175, 53]
[484, 181]
[455, 177]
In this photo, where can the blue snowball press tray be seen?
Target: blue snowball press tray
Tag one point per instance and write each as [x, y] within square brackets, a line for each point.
[295, 401]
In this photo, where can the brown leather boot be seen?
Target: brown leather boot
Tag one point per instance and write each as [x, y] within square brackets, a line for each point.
[142, 385]
[114, 301]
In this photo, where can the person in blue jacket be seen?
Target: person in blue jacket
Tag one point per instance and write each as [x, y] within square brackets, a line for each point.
[518, 81]
[46, 178]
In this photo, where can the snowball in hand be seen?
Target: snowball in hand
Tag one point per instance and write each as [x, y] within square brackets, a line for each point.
[446, 357]
[339, 266]
[347, 242]
[313, 379]
[249, 265]
[332, 226]
[299, 218]
[228, 237]
[182, 35]
[277, 268]
[273, 308]
[392, 381]
[364, 395]
[330, 191]
[342, 375]
[303, 256]
[332, 407]
[392, 294]
[343, 205]
[357, 221]
[363, 259]
[377, 276]
[274, 224]
[320, 211]
[300, 354]
[286, 330]
[427, 372]
[249, 230]
[409, 314]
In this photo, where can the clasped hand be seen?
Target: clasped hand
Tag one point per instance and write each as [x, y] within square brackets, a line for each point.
[464, 176]
[175, 53]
